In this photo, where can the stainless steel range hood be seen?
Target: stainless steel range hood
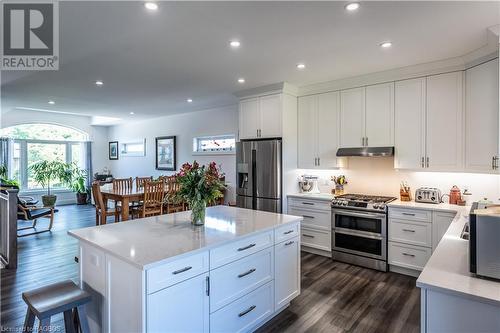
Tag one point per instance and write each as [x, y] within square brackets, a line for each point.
[366, 151]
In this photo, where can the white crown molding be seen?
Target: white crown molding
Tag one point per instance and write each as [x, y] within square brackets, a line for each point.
[275, 88]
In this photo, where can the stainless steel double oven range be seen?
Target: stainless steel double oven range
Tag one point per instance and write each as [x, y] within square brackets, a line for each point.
[359, 230]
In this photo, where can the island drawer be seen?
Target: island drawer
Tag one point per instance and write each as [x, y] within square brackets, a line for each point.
[313, 218]
[318, 239]
[411, 214]
[236, 250]
[286, 232]
[310, 204]
[246, 313]
[408, 256]
[176, 271]
[230, 282]
[410, 232]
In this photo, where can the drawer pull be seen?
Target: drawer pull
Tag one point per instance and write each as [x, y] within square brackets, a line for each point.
[250, 309]
[308, 203]
[182, 270]
[308, 216]
[306, 235]
[287, 232]
[408, 230]
[409, 214]
[289, 243]
[246, 247]
[246, 273]
[408, 254]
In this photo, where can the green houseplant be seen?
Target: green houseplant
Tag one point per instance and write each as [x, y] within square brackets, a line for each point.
[78, 184]
[46, 173]
[4, 180]
[198, 186]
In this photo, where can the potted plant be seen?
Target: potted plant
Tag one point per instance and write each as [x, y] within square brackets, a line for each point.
[5, 181]
[78, 184]
[199, 185]
[47, 172]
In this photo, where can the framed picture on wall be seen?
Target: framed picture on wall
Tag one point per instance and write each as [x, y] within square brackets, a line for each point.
[165, 153]
[113, 150]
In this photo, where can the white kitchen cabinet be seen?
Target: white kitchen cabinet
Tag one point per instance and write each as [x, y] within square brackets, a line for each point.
[379, 116]
[481, 117]
[189, 312]
[287, 268]
[444, 121]
[440, 223]
[318, 131]
[409, 124]
[261, 117]
[352, 119]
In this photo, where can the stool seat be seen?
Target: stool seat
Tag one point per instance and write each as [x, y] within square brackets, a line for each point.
[55, 298]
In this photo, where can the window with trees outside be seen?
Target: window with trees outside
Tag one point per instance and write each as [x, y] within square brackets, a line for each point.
[37, 142]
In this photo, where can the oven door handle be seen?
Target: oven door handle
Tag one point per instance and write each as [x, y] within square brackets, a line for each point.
[358, 214]
[363, 234]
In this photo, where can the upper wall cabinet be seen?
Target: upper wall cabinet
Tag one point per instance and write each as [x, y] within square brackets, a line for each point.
[481, 117]
[367, 116]
[318, 131]
[261, 117]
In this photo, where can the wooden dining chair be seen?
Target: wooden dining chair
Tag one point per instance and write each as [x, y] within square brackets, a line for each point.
[154, 192]
[122, 184]
[101, 210]
[172, 187]
[139, 181]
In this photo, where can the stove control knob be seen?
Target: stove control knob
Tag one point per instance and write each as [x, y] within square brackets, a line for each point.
[376, 206]
[381, 206]
[344, 203]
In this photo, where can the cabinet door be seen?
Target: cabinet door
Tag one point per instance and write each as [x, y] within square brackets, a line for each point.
[444, 121]
[409, 127]
[328, 129]
[249, 118]
[183, 307]
[440, 223]
[481, 116]
[307, 131]
[352, 123]
[380, 115]
[270, 112]
[287, 272]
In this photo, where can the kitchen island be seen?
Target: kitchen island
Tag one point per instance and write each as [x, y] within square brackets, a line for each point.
[161, 274]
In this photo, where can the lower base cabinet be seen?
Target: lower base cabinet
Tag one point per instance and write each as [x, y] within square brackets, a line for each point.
[189, 312]
[287, 265]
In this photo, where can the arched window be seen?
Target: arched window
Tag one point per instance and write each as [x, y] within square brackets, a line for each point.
[31, 143]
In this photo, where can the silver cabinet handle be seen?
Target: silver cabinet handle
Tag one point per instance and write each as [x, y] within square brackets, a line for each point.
[493, 163]
[408, 254]
[250, 271]
[182, 270]
[366, 141]
[207, 288]
[289, 243]
[241, 314]
[315, 161]
[427, 159]
[308, 203]
[308, 216]
[363, 141]
[408, 230]
[287, 232]
[309, 236]
[423, 162]
[408, 214]
[319, 161]
[246, 247]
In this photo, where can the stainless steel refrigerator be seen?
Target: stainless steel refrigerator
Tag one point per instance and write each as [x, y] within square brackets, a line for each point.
[258, 169]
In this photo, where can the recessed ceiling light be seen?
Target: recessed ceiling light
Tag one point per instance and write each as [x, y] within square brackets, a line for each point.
[132, 113]
[385, 45]
[235, 44]
[51, 102]
[301, 66]
[352, 6]
[151, 5]
[99, 83]
[189, 100]
[241, 80]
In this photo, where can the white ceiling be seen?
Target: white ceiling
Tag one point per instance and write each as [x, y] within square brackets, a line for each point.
[151, 62]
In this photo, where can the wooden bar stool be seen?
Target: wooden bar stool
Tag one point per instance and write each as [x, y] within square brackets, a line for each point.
[62, 297]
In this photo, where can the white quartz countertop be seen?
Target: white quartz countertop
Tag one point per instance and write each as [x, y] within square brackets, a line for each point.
[153, 240]
[313, 196]
[448, 268]
[445, 207]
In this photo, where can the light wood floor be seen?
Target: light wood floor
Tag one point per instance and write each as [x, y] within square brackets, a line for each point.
[335, 297]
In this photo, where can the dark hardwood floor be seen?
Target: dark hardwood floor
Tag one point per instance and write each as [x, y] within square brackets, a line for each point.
[336, 297]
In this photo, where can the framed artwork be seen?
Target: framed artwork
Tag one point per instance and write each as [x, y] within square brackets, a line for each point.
[113, 150]
[165, 153]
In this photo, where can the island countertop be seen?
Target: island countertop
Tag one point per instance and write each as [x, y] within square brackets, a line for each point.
[147, 242]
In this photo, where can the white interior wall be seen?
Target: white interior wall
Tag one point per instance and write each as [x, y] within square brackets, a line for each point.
[185, 127]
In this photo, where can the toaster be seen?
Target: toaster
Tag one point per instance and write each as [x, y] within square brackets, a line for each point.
[428, 195]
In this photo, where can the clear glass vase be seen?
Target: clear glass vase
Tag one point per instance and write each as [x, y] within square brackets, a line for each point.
[198, 209]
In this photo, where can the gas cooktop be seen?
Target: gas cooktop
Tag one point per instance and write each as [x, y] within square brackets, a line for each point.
[362, 201]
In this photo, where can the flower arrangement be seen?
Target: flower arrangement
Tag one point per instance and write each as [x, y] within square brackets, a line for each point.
[339, 181]
[198, 186]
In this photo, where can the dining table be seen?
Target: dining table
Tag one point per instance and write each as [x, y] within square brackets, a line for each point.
[133, 194]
